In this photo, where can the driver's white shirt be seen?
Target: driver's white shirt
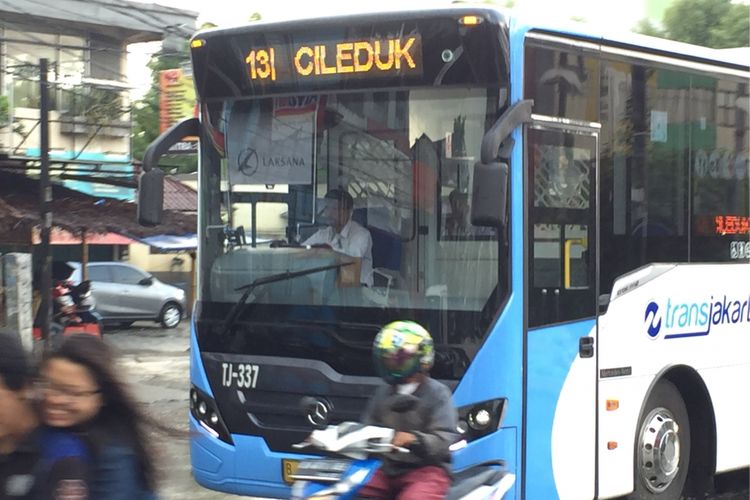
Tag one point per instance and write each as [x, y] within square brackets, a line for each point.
[354, 240]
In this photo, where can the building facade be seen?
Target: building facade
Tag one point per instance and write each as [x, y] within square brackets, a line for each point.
[85, 42]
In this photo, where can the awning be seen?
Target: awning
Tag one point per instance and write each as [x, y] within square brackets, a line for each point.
[169, 243]
[62, 237]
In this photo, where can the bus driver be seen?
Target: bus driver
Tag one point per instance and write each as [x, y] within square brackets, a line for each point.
[342, 234]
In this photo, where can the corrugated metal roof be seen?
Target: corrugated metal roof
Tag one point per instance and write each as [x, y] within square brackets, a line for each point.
[178, 196]
[74, 211]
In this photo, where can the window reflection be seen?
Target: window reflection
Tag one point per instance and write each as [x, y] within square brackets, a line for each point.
[406, 160]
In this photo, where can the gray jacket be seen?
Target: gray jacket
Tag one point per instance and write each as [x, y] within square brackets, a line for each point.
[434, 421]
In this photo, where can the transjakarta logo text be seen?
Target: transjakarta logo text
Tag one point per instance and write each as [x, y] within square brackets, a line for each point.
[693, 319]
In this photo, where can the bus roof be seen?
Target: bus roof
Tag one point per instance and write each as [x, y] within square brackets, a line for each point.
[738, 58]
[343, 17]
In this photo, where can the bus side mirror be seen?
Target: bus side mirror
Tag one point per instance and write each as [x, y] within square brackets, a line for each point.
[150, 197]
[151, 182]
[489, 194]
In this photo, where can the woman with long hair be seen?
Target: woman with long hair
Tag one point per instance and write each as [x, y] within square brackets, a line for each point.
[83, 394]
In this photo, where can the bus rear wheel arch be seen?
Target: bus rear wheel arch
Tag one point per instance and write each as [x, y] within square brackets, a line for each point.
[700, 480]
[685, 402]
[663, 447]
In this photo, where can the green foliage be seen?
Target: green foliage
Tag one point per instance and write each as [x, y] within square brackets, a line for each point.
[4, 111]
[718, 24]
[146, 112]
[100, 106]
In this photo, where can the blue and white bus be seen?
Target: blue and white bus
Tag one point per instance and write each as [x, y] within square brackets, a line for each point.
[566, 212]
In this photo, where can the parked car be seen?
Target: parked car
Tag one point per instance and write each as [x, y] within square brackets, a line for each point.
[125, 293]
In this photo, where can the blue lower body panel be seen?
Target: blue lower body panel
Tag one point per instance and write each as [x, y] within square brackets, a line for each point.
[255, 470]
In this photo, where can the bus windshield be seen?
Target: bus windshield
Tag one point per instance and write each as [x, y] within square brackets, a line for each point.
[403, 159]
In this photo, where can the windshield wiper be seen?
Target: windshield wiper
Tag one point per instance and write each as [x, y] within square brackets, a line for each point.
[234, 313]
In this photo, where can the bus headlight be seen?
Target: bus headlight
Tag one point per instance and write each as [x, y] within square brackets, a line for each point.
[204, 410]
[478, 420]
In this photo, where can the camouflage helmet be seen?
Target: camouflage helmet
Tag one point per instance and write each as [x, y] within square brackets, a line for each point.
[401, 349]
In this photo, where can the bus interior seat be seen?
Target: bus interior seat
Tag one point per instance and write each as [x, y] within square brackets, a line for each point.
[386, 246]
[305, 231]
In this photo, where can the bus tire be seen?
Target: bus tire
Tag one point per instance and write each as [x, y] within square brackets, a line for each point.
[662, 448]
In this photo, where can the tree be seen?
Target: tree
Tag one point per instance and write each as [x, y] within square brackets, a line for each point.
[719, 24]
[4, 111]
[146, 111]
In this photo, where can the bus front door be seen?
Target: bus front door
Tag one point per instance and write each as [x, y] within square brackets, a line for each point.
[561, 228]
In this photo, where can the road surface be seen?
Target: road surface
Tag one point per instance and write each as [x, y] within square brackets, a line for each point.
[155, 362]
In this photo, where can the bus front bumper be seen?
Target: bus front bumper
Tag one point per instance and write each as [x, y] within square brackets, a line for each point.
[253, 471]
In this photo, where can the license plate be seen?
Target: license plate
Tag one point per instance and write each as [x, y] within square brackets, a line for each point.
[288, 468]
[240, 375]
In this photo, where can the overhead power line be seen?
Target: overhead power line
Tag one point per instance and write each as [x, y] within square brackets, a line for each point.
[160, 22]
[145, 17]
[161, 27]
[68, 87]
[67, 51]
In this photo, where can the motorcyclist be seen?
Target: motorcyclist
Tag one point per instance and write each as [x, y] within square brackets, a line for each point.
[403, 353]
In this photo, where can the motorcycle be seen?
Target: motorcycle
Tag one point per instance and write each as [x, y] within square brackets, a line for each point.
[73, 307]
[352, 450]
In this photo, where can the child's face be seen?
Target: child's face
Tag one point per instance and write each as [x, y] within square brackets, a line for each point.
[70, 394]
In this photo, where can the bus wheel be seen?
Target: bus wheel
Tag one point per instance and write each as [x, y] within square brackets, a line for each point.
[662, 455]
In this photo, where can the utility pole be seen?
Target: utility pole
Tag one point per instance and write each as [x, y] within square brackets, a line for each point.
[45, 200]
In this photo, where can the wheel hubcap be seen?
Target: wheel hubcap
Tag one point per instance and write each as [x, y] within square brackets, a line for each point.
[171, 316]
[659, 453]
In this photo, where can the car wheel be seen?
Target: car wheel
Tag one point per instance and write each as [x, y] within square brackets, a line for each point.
[662, 454]
[170, 315]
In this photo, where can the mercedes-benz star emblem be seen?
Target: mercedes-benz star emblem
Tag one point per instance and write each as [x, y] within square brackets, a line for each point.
[318, 413]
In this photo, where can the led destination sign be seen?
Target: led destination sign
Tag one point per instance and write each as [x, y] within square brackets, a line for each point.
[364, 52]
[385, 57]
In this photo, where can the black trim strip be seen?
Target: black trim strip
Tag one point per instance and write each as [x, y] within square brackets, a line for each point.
[622, 371]
[525, 333]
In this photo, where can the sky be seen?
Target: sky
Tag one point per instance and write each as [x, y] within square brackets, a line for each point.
[232, 12]
[614, 14]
